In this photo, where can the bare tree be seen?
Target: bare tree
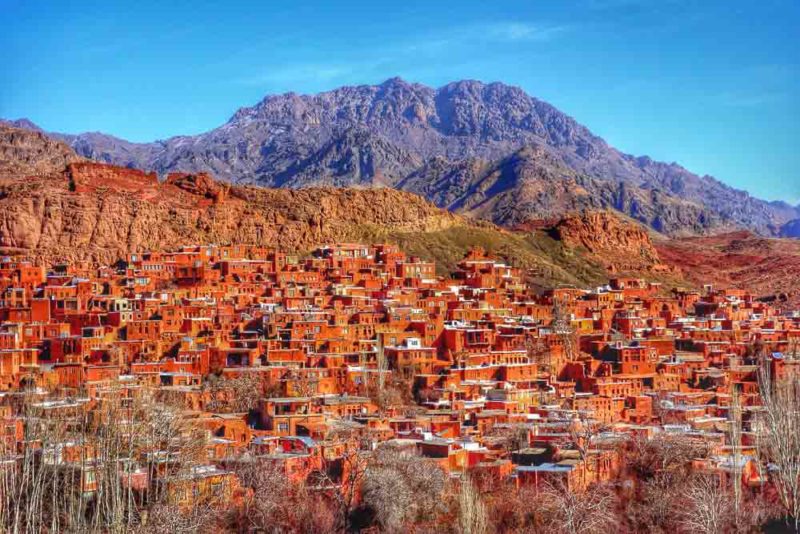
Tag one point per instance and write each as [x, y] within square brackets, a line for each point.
[472, 517]
[273, 503]
[382, 365]
[706, 507]
[79, 460]
[582, 430]
[778, 438]
[237, 394]
[305, 383]
[793, 348]
[563, 329]
[562, 511]
[344, 477]
[653, 507]
[402, 488]
[539, 353]
[269, 491]
[161, 518]
[735, 436]
[664, 453]
[514, 437]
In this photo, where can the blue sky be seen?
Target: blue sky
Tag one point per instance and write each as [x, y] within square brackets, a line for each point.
[713, 85]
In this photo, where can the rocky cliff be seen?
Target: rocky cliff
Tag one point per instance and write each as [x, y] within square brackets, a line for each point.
[47, 217]
[621, 245]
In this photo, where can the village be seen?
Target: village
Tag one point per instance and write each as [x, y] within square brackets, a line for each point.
[309, 362]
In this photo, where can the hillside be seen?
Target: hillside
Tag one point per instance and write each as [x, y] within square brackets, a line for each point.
[98, 212]
[770, 268]
[448, 144]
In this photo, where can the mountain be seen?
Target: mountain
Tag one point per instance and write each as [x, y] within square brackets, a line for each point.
[458, 145]
[21, 123]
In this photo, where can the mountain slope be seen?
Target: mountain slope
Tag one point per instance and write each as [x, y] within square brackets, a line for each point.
[532, 184]
[399, 132]
[100, 213]
[769, 268]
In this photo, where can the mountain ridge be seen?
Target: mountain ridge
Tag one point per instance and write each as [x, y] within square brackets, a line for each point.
[395, 132]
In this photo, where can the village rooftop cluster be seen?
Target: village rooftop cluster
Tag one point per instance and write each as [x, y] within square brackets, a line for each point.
[301, 360]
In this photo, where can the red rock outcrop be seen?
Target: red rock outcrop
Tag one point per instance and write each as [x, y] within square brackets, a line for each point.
[100, 219]
[200, 184]
[621, 245]
[88, 177]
